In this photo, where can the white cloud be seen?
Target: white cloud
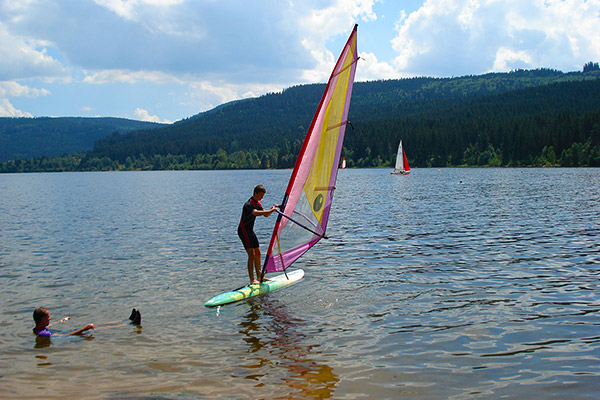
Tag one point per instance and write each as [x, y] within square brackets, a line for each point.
[338, 18]
[10, 90]
[14, 89]
[373, 69]
[320, 25]
[144, 115]
[23, 57]
[8, 110]
[124, 76]
[506, 57]
[457, 37]
[128, 9]
[325, 62]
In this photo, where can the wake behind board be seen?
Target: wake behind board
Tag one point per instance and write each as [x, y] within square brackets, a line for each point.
[248, 291]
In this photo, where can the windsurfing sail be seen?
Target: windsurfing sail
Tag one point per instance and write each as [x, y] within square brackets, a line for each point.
[402, 166]
[343, 165]
[305, 208]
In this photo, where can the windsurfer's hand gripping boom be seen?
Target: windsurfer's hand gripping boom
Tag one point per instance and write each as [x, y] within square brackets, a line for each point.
[265, 213]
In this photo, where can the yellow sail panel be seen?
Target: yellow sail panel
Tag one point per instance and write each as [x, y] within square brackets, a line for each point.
[317, 187]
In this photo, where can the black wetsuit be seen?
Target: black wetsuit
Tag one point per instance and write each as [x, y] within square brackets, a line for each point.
[246, 226]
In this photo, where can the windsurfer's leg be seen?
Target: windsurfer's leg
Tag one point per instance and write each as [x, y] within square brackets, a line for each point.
[257, 263]
[135, 318]
[251, 266]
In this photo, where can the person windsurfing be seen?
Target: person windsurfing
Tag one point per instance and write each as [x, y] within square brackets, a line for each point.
[252, 209]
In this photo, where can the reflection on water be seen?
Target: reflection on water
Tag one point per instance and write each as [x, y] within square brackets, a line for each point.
[268, 328]
[42, 342]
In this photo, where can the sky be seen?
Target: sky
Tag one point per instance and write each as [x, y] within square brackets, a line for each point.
[166, 60]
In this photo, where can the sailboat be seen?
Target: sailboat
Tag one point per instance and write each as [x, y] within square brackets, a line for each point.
[343, 164]
[402, 167]
[304, 212]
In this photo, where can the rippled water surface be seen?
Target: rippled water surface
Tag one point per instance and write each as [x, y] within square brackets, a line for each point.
[459, 283]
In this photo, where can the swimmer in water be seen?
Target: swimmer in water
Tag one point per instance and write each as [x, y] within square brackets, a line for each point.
[41, 317]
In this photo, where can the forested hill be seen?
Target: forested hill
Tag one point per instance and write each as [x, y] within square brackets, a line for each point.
[277, 120]
[557, 124]
[35, 137]
[526, 117]
[440, 120]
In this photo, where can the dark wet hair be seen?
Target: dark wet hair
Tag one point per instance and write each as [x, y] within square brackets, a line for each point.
[39, 313]
[260, 189]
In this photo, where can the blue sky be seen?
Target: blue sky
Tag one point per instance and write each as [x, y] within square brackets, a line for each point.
[165, 60]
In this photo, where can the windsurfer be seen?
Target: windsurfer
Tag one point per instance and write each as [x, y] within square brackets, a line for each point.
[252, 209]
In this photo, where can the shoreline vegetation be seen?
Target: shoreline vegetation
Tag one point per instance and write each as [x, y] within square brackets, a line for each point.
[578, 155]
[535, 118]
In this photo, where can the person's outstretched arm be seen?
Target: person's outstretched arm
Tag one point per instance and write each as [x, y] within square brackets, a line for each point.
[80, 331]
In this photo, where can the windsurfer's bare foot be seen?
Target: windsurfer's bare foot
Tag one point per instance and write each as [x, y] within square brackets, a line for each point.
[254, 282]
[266, 279]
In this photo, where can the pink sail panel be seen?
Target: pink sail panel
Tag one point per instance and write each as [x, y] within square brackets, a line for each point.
[309, 194]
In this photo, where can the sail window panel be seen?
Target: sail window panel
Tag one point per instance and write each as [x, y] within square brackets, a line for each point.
[294, 235]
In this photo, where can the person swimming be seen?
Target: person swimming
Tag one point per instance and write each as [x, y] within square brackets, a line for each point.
[41, 317]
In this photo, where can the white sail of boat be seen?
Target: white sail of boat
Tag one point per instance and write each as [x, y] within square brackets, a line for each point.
[402, 167]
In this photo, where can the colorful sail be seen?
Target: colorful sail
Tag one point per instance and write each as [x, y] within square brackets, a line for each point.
[307, 201]
[402, 166]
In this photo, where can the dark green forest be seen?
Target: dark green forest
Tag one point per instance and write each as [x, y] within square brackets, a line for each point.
[35, 137]
[522, 118]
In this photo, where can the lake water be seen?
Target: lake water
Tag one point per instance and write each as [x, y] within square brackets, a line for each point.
[452, 283]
